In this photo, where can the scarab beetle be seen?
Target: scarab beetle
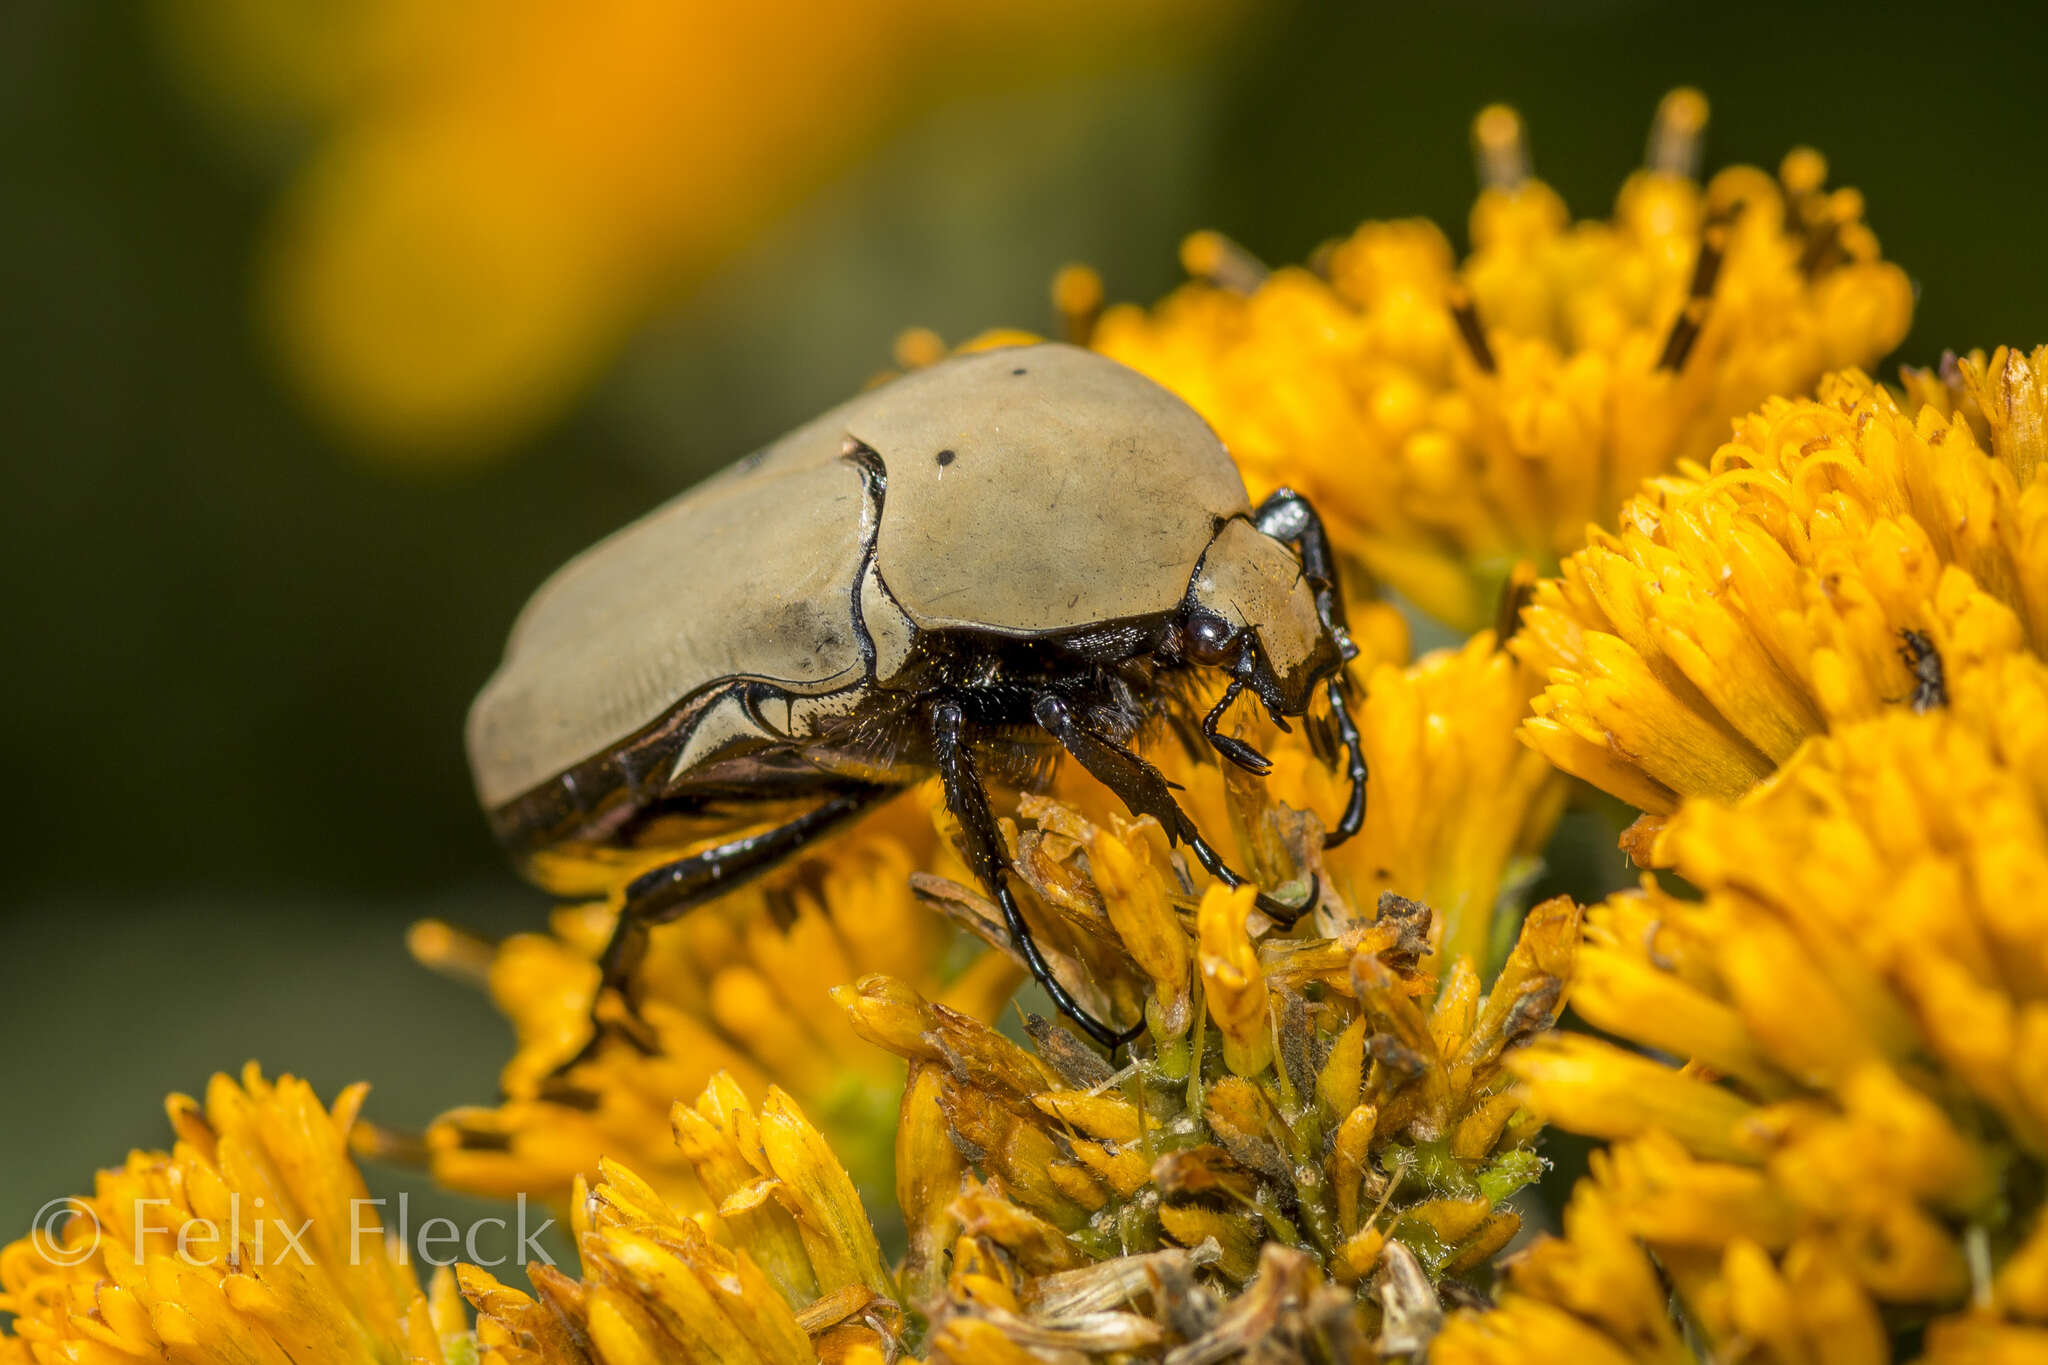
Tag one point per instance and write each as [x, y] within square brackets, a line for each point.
[970, 570]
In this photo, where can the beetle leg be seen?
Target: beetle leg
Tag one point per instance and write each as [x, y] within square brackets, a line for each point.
[1289, 517]
[986, 854]
[1353, 818]
[1236, 750]
[1145, 791]
[673, 889]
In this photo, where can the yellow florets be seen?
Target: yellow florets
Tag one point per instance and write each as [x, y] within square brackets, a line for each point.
[1453, 418]
[1814, 653]
[788, 1269]
[1840, 556]
[1334, 1093]
[1862, 1130]
[252, 1240]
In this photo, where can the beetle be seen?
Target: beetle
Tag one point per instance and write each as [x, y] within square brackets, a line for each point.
[1923, 661]
[1007, 557]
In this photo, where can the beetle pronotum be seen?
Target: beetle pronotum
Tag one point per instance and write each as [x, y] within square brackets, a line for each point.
[1009, 555]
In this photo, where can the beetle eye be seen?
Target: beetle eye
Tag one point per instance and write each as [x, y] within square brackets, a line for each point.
[1209, 639]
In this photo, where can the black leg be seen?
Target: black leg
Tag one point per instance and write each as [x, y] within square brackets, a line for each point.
[1232, 748]
[1145, 791]
[1353, 818]
[1287, 516]
[673, 889]
[990, 860]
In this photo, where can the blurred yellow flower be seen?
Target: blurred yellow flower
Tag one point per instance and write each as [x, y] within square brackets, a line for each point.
[741, 987]
[1453, 419]
[495, 193]
[1837, 557]
[1859, 1137]
[252, 1241]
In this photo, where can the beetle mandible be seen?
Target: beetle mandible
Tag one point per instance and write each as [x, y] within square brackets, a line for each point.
[1010, 555]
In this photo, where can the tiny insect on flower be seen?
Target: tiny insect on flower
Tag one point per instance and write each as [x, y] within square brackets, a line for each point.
[1844, 555]
[1862, 1128]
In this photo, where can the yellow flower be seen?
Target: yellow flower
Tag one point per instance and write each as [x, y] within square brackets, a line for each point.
[786, 1271]
[1838, 557]
[1233, 981]
[1453, 419]
[253, 1241]
[2002, 397]
[1459, 809]
[740, 986]
[1859, 1136]
[497, 193]
[1591, 1296]
[1329, 1098]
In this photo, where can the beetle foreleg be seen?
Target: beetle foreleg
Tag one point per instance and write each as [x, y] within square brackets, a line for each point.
[1353, 818]
[1289, 517]
[968, 802]
[673, 889]
[1144, 790]
[1236, 750]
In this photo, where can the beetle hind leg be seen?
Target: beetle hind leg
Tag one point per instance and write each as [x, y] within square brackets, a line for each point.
[968, 802]
[672, 890]
[1144, 790]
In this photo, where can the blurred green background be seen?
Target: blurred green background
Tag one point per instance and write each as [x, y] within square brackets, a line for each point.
[243, 635]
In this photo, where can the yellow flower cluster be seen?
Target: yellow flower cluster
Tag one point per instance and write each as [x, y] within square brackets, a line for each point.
[1840, 556]
[1320, 1114]
[785, 1266]
[786, 1271]
[1453, 419]
[1860, 1138]
[1460, 811]
[1815, 654]
[742, 986]
[253, 1240]
[1331, 1094]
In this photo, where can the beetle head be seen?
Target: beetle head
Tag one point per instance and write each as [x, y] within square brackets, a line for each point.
[1251, 610]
